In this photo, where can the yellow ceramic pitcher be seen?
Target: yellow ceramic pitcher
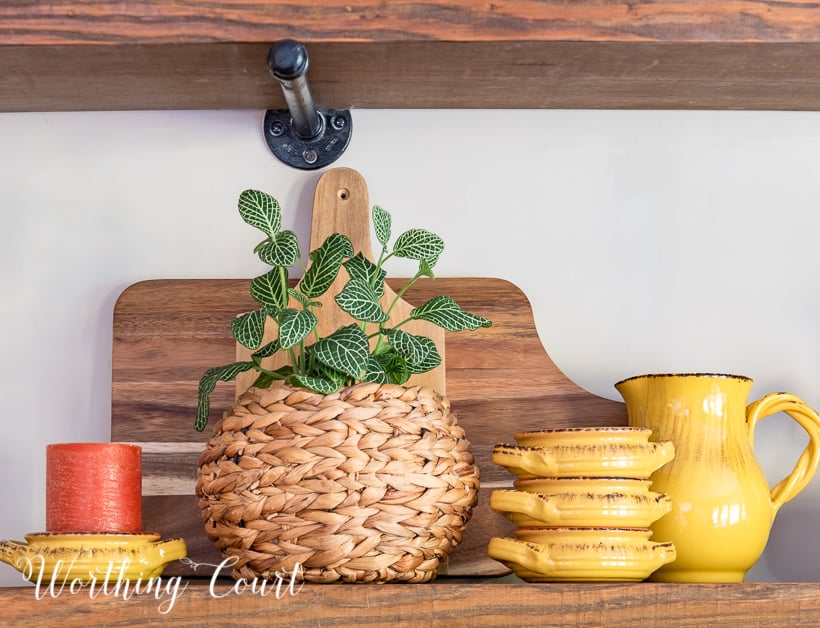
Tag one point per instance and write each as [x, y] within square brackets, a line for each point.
[722, 508]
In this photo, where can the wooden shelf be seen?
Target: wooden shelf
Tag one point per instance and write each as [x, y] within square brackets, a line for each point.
[439, 603]
[161, 54]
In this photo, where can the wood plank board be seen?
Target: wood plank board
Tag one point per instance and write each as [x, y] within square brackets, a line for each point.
[101, 55]
[441, 603]
[167, 332]
[78, 22]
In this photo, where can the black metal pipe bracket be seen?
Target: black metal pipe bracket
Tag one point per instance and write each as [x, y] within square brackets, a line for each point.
[302, 136]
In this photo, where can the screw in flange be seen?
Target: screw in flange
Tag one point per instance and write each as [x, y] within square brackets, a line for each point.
[338, 122]
[277, 128]
[310, 156]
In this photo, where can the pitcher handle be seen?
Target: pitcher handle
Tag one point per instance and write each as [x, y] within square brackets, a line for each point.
[809, 420]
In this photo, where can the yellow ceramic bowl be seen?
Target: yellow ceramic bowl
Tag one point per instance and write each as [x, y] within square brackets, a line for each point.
[628, 460]
[581, 554]
[583, 436]
[85, 558]
[596, 508]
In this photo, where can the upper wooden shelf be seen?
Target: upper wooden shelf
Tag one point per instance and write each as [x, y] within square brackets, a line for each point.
[164, 54]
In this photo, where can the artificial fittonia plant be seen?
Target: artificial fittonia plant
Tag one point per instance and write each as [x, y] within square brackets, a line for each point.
[365, 351]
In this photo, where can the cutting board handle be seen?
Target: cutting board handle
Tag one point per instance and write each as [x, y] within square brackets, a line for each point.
[341, 205]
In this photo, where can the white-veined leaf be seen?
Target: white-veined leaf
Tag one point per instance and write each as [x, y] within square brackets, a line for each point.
[420, 352]
[381, 224]
[431, 358]
[266, 351]
[318, 384]
[260, 210]
[345, 350]
[280, 250]
[207, 384]
[294, 326]
[324, 371]
[446, 313]
[374, 371]
[248, 328]
[359, 267]
[267, 290]
[361, 302]
[419, 244]
[411, 347]
[325, 264]
[395, 366]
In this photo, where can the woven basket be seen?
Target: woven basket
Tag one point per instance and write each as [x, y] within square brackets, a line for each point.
[373, 483]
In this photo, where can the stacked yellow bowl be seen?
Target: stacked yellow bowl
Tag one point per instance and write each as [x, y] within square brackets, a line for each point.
[583, 504]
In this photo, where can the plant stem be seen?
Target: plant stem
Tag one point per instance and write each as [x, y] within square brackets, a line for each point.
[401, 292]
[273, 374]
[404, 322]
[283, 278]
[294, 360]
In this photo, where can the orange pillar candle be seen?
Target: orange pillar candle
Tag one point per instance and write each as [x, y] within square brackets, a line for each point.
[94, 488]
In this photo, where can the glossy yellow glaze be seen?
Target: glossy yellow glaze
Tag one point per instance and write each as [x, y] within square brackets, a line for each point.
[604, 459]
[722, 508]
[581, 554]
[633, 509]
[85, 558]
[557, 485]
[583, 436]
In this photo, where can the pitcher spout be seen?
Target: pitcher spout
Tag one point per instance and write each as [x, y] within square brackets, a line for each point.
[632, 386]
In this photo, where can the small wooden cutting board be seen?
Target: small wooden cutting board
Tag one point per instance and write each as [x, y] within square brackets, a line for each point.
[341, 205]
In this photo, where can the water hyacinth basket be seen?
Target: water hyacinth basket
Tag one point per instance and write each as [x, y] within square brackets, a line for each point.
[373, 483]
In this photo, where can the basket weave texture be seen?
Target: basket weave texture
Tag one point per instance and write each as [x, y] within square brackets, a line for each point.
[373, 483]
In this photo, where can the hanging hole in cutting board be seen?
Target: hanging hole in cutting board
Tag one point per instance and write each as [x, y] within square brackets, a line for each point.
[344, 194]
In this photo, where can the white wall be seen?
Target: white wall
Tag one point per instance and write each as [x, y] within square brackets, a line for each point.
[646, 241]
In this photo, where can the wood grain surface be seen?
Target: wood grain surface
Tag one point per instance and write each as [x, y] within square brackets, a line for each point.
[167, 332]
[451, 604]
[194, 21]
[98, 54]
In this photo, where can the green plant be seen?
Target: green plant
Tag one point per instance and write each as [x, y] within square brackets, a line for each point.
[365, 351]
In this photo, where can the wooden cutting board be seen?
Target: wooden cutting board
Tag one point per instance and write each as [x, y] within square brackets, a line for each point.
[168, 332]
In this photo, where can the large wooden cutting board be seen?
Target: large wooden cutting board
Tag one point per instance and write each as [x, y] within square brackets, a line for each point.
[167, 332]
